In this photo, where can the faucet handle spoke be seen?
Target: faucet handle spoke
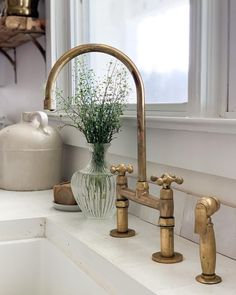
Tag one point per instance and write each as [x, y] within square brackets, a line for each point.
[166, 179]
[121, 169]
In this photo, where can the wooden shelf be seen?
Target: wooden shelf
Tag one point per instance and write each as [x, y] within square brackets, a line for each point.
[17, 30]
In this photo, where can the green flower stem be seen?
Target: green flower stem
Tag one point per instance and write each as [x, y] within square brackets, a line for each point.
[98, 103]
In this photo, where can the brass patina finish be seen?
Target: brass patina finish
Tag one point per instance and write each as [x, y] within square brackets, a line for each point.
[141, 194]
[86, 48]
[122, 202]
[166, 220]
[204, 227]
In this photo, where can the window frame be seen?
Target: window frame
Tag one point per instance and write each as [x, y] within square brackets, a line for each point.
[208, 86]
[208, 77]
[82, 37]
[231, 101]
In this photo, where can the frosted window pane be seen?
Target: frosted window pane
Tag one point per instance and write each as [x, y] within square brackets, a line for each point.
[154, 34]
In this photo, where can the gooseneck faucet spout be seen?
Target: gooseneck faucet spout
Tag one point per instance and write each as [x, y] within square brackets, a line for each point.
[86, 48]
[124, 194]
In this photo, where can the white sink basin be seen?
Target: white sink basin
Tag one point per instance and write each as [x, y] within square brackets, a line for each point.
[66, 254]
[38, 256]
[37, 267]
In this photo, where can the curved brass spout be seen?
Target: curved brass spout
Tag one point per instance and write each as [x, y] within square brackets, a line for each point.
[85, 48]
[124, 194]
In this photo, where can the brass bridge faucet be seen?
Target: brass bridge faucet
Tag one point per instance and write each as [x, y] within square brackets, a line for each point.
[124, 194]
[165, 204]
[204, 227]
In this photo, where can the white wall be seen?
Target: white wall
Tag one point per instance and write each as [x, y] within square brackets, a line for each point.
[27, 94]
[203, 159]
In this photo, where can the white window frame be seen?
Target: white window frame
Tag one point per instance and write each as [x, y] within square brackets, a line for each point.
[231, 101]
[208, 67]
[208, 78]
[152, 109]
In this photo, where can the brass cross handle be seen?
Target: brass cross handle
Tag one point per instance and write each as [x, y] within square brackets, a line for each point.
[166, 179]
[121, 169]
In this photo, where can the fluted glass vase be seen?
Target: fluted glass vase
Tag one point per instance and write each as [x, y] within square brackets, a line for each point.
[94, 187]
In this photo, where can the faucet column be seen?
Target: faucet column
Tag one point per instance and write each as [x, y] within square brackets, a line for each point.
[166, 220]
[122, 203]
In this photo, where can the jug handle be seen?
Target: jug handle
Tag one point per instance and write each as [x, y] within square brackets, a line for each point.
[41, 117]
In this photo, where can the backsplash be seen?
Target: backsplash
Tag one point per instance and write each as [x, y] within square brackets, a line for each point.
[223, 220]
[184, 203]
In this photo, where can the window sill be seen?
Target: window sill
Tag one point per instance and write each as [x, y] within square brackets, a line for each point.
[210, 125]
[195, 124]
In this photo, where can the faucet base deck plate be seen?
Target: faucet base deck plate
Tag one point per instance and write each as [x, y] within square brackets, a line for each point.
[210, 280]
[158, 257]
[115, 234]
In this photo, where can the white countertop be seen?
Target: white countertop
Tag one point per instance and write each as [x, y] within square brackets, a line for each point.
[117, 263]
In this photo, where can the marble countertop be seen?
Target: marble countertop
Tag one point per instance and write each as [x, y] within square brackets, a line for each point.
[120, 264]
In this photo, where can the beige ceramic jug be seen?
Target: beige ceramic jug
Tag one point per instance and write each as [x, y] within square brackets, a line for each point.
[30, 154]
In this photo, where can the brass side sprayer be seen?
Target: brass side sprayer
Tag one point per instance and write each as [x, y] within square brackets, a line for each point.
[204, 227]
[141, 195]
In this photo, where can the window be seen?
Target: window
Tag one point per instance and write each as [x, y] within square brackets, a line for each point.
[192, 83]
[155, 34]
